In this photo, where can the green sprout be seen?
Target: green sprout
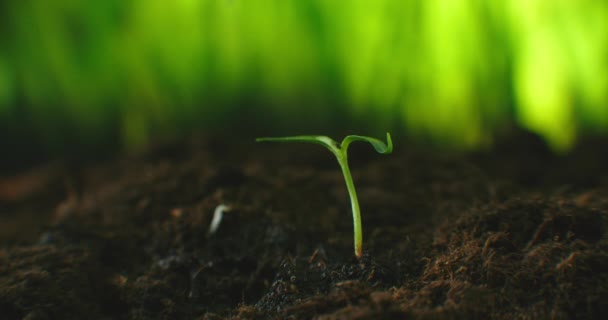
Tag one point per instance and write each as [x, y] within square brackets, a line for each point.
[341, 154]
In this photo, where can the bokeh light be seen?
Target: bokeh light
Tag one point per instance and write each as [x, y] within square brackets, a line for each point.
[453, 72]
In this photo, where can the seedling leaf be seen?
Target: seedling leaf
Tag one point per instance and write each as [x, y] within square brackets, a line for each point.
[380, 146]
[325, 141]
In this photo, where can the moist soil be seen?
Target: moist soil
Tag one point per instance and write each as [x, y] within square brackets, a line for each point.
[512, 233]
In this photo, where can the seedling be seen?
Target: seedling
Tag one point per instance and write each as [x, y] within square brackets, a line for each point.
[342, 156]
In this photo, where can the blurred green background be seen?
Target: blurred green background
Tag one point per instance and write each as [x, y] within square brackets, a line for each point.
[457, 73]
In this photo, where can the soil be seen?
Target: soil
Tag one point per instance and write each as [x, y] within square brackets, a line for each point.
[514, 233]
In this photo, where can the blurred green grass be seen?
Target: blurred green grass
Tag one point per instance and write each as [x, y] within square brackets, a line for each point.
[452, 72]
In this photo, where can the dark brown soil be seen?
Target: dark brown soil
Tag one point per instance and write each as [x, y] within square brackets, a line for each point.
[516, 233]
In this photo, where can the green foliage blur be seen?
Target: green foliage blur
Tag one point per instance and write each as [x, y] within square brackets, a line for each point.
[454, 72]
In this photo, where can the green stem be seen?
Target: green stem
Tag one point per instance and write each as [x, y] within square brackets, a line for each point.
[350, 185]
[341, 154]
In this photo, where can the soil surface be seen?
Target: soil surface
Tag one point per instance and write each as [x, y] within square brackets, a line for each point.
[515, 233]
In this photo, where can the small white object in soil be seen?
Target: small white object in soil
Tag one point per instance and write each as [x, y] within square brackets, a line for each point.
[218, 214]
